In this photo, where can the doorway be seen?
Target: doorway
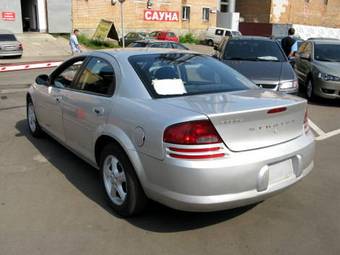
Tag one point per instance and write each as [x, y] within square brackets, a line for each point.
[30, 21]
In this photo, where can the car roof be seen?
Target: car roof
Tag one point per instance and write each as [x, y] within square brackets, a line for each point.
[324, 41]
[223, 28]
[251, 37]
[4, 31]
[128, 52]
[154, 41]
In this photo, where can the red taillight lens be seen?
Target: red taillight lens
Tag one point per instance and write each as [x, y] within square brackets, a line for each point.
[192, 133]
[305, 122]
[20, 46]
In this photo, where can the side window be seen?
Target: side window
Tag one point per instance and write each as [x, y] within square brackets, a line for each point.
[308, 49]
[219, 32]
[98, 77]
[65, 78]
[302, 48]
[228, 33]
[178, 46]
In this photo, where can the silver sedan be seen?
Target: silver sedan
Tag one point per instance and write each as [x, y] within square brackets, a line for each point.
[173, 126]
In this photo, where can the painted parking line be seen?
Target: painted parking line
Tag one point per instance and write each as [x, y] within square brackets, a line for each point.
[9, 91]
[322, 135]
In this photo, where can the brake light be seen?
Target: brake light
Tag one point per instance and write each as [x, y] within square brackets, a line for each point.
[192, 133]
[193, 140]
[277, 110]
[305, 122]
[20, 46]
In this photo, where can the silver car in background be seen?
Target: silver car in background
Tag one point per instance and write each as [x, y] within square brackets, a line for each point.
[9, 45]
[173, 126]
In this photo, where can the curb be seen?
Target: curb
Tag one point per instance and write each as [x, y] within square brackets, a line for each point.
[28, 66]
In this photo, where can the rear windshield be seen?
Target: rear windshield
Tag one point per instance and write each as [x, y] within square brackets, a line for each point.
[180, 74]
[253, 50]
[327, 52]
[7, 37]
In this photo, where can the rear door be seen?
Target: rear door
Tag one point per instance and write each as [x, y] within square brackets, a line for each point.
[87, 105]
[59, 16]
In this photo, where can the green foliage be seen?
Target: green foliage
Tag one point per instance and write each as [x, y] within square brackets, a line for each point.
[188, 38]
[95, 44]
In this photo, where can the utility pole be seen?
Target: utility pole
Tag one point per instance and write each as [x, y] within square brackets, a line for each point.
[122, 21]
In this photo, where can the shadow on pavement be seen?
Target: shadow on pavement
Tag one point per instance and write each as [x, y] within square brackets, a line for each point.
[156, 218]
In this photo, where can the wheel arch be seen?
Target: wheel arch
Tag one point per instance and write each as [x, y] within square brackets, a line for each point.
[127, 147]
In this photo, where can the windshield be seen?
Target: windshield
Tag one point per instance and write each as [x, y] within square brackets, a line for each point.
[180, 74]
[138, 45]
[327, 52]
[253, 50]
[7, 37]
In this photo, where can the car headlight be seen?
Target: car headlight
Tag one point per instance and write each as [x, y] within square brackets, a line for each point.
[328, 77]
[288, 85]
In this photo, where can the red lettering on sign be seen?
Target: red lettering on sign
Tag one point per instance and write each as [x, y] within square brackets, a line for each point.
[166, 16]
[9, 16]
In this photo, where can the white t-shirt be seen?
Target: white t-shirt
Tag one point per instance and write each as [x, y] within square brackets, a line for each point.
[74, 43]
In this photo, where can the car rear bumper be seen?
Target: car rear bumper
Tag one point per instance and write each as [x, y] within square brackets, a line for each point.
[327, 89]
[10, 53]
[239, 179]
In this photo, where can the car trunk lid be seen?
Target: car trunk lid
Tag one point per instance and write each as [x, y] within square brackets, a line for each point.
[249, 119]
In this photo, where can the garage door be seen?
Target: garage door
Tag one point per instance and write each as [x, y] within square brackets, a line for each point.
[59, 14]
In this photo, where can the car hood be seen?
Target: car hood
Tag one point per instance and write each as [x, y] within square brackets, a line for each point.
[258, 71]
[332, 68]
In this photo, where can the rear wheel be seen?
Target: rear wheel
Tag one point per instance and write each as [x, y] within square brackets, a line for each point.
[211, 43]
[121, 185]
[32, 121]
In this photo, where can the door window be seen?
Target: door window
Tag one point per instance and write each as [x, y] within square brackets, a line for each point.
[219, 32]
[65, 77]
[97, 77]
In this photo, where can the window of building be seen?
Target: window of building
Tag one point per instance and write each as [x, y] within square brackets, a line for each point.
[186, 13]
[224, 5]
[205, 14]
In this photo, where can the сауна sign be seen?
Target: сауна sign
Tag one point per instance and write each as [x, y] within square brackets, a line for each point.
[168, 16]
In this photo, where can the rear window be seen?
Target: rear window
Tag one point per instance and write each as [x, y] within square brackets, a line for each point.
[170, 34]
[254, 50]
[7, 37]
[180, 74]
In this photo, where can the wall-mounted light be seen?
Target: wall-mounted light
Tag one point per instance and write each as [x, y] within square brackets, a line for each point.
[113, 2]
[149, 4]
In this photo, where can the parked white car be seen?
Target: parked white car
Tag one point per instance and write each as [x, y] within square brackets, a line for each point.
[213, 36]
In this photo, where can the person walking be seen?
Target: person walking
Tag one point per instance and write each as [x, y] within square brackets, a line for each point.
[74, 44]
[289, 44]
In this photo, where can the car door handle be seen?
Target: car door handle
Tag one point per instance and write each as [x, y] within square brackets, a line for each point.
[98, 110]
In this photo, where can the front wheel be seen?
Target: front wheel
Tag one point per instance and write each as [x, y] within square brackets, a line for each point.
[32, 121]
[211, 43]
[119, 180]
[310, 95]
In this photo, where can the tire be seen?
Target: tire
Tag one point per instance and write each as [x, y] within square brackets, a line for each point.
[211, 43]
[309, 90]
[32, 122]
[120, 182]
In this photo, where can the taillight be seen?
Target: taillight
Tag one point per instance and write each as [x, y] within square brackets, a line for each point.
[305, 122]
[20, 46]
[192, 133]
[193, 140]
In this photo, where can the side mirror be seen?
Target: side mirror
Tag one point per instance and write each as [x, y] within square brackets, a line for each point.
[42, 80]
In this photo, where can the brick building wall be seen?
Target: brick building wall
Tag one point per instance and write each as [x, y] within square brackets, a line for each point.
[313, 12]
[88, 13]
[305, 12]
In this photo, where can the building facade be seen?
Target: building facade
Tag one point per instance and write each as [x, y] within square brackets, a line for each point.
[141, 15]
[311, 18]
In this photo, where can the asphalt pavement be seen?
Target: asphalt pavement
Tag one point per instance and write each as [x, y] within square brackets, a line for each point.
[51, 201]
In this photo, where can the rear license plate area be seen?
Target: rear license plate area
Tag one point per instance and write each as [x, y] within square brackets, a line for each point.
[280, 171]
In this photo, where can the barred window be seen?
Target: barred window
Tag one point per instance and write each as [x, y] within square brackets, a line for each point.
[205, 14]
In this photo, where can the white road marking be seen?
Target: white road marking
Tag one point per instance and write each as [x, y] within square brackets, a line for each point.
[328, 135]
[317, 130]
[9, 91]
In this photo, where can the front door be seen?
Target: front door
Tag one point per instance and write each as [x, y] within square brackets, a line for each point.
[87, 105]
[51, 97]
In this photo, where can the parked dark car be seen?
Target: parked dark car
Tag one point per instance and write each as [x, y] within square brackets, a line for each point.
[132, 37]
[318, 68]
[9, 45]
[260, 59]
[157, 44]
